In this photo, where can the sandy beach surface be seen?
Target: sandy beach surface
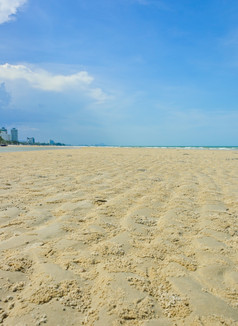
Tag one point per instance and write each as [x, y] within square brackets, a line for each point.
[119, 236]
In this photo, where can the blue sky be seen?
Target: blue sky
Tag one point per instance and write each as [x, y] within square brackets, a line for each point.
[120, 72]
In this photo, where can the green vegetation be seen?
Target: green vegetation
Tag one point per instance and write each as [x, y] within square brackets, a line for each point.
[47, 144]
[2, 141]
[5, 142]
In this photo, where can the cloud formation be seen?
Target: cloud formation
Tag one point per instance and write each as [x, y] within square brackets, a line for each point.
[46, 81]
[8, 8]
[42, 79]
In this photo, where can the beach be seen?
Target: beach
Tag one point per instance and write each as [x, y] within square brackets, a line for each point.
[119, 236]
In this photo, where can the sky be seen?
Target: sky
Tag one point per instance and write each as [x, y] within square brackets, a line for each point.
[120, 72]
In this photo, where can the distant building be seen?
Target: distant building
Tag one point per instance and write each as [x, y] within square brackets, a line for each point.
[14, 134]
[31, 140]
[51, 142]
[4, 130]
[4, 134]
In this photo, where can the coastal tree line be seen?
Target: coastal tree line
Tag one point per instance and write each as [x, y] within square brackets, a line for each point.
[10, 142]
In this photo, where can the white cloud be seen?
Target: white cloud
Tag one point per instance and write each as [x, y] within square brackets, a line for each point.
[46, 81]
[8, 8]
[42, 79]
[98, 95]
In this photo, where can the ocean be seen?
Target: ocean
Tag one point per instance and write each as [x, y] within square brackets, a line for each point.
[8, 149]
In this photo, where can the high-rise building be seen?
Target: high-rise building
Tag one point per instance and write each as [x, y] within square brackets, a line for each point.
[31, 140]
[4, 134]
[14, 134]
[4, 130]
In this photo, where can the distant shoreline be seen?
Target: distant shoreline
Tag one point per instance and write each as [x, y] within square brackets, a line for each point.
[28, 148]
[35, 145]
[22, 148]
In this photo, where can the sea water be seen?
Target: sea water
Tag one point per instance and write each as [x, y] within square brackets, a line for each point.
[8, 149]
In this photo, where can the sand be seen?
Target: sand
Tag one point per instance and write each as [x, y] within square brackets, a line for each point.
[116, 236]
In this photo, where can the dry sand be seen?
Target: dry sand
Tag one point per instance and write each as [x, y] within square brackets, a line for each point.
[103, 236]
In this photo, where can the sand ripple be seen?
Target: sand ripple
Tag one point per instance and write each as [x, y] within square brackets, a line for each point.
[99, 236]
